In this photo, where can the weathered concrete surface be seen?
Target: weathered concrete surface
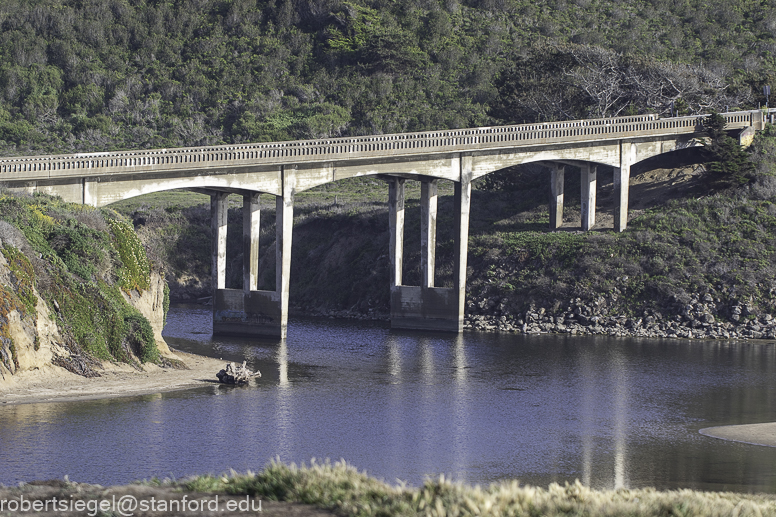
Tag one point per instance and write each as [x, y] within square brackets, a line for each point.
[621, 182]
[462, 203]
[218, 222]
[755, 434]
[250, 312]
[102, 178]
[251, 229]
[396, 228]
[424, 308]
[255, 313]
[557, 182]
[428, 218]
[284, 216]
[588, 180]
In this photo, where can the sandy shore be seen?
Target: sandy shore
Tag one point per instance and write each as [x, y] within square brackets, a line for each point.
[755, 434]
[54, 384]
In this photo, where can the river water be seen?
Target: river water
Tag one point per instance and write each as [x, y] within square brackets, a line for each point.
[407, 405]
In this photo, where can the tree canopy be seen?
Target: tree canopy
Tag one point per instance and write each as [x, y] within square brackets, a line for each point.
[114, 74]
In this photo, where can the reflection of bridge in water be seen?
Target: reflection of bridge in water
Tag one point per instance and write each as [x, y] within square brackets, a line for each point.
[286, 168]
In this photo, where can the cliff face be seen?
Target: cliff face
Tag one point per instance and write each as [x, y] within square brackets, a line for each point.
[150, 303]
[31, 340]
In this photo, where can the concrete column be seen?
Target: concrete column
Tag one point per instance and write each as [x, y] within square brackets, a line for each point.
[284, 228]
[588, 180]
[556, 196]
[251, 227]
[218, 218]
[396, 227]
[428, 217]
[462, 200]
[621, 184]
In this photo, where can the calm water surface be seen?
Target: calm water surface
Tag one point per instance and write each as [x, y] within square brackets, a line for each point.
[401, 405]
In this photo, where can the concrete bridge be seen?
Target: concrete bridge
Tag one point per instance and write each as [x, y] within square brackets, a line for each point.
[283, 169]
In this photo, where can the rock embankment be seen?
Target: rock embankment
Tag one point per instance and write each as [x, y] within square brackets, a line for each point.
[703, 317]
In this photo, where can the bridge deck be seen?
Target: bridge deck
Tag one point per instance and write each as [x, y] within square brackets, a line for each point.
[30, 168]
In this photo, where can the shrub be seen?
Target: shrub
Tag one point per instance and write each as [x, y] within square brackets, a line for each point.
[730, 164]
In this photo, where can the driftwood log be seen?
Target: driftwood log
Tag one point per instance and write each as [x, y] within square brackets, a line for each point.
[232, 374]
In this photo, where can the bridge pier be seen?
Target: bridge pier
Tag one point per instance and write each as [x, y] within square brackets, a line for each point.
[426, 307]
[621, 185]
[588, 176]
[557, 178]
[249, 311]
[428, 215]
[396, 227]
[218, 215]
[251, 227]
[588, 180]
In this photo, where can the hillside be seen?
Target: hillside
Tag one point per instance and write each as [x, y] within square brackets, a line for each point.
[76, 290]
[95, 75]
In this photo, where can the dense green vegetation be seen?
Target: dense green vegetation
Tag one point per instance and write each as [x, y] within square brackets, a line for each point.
[108, 74]
[79, 259]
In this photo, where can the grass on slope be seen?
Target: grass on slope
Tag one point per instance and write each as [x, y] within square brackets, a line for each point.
[81, 259]
[346, 491]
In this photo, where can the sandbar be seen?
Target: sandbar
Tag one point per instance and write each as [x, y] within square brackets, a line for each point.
[55, 384]
[754, 434]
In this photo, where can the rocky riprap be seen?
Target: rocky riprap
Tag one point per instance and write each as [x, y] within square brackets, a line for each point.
[703, 317]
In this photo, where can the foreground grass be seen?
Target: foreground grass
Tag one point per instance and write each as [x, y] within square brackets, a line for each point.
[341, 488]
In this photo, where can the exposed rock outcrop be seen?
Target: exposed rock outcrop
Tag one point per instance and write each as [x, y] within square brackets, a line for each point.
[150, 303]
[703, 317]
[32, 341]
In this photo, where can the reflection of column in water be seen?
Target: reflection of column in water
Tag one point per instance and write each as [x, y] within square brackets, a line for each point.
[460, 409]
[394, 360]
[619, 370]
[284, 408]
[427, 418]
[588, 374]
[396, 413]
[283, 363]
[156, 431]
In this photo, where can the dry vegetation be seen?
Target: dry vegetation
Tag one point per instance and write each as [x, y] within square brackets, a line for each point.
[342, 488]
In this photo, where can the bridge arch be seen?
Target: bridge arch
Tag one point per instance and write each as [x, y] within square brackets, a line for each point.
[93, 191]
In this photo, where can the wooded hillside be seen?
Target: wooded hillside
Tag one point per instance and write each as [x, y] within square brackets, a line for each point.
[110, 74]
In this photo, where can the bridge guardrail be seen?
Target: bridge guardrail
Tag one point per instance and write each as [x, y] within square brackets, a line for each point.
[374, 146]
